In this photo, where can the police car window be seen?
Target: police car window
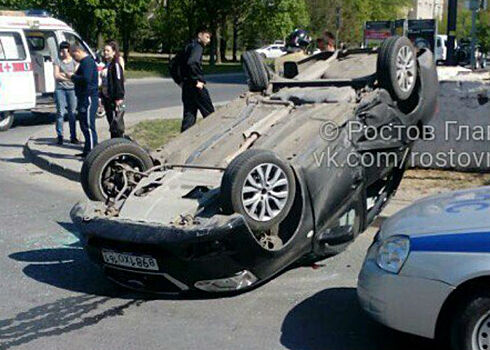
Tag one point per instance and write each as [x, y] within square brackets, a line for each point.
[11, 47]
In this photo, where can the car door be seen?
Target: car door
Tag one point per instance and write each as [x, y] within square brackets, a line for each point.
[17, 91]
[74, 39]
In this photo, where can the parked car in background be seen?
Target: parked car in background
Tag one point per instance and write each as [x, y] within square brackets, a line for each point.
[272, 51]
[441, 48]
[30, 41]
[463, 55]
[428, 270]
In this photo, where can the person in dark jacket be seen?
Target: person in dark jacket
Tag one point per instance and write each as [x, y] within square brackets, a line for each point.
[195, 96]
[112, 90]
[86, 80]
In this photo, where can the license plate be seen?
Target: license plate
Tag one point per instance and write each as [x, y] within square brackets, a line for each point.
[129, 260]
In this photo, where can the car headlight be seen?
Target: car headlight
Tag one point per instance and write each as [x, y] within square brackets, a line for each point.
[392, 253]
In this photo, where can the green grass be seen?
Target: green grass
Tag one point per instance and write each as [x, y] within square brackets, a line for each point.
[155, 133]
[153, 66]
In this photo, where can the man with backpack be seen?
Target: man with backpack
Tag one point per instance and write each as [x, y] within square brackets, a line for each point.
[186, 70]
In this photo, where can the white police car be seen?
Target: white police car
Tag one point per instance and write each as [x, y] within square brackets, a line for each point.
[428, 270]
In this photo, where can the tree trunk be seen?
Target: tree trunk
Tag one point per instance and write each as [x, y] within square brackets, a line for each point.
[212, 54]
[218, 45]
[235, 39]
[223, 42]
[126, 36]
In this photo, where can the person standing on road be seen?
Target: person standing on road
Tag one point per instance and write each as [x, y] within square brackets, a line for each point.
[297, 49]
[195, 95]
[66, 101]
[86, 80]
[329, 39]
[112, 90]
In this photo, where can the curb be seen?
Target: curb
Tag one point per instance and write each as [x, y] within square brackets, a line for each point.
[37, 159]
[46, 163]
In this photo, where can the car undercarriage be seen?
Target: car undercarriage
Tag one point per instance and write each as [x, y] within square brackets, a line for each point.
[273, 179]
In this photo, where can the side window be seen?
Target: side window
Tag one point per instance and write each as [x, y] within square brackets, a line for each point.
[42, 43]
[75, 40]
[12, 47]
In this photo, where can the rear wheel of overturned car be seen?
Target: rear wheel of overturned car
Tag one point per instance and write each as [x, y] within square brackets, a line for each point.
[470, 328]
[256, 71]
[397, 67]
[261, 187]
[103, 177]
[6, 120]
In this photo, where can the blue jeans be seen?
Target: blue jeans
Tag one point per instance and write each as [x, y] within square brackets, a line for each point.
[66, 103]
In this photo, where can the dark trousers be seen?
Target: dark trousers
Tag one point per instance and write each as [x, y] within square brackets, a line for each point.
[87, 111]
[115, 118]
[195, 99]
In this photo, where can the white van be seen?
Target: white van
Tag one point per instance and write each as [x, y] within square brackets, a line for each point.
[29, 42]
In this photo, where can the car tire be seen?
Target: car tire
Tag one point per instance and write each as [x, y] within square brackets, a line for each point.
[98, 163]
[258, 78]
[100, 113]
[272, 203]
[397, 67]
[263, 56]
[471, 322]
[6, 120]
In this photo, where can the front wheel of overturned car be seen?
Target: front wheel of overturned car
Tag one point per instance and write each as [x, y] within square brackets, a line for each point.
[256, 71]
[103, 175]
[470, 329]
[6, 120]
[397, 67]
[260, 186]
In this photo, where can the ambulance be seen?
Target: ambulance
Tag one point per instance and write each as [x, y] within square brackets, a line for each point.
[29, 42]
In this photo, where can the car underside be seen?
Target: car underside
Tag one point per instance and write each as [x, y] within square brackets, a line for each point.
[273, 179]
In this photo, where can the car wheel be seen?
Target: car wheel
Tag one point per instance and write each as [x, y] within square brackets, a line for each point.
[397, 67]
[100, 112]
[260, 186]
[6, 120]
[256, 71]
[470, 329]
[102, 178]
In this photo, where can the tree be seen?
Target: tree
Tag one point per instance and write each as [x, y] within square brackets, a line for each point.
[269, 20]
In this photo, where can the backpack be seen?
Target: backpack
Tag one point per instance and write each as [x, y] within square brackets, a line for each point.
[175, 67]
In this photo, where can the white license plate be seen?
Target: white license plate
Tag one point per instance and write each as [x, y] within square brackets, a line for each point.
[128, 260]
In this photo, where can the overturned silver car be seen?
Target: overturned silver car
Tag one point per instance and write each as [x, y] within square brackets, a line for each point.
[247, 193]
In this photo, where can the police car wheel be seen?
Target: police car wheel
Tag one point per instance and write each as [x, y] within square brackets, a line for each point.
[397, 67]
[102, 177]
[6, 120]
[260, 186]
[471, 323]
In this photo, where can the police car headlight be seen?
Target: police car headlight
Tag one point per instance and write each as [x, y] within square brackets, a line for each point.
[392, 253]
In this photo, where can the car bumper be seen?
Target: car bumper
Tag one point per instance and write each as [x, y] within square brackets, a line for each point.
[220, 257]
[407, 304]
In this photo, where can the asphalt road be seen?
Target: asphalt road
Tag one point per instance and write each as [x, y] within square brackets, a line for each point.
[150, 94]
[54, 298]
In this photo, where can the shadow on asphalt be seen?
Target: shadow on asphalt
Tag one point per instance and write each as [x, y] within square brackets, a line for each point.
[234, 79]
[60, 317]
[31, 119]
[334, 320]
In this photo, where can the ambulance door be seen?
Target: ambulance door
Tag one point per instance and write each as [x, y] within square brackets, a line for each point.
[17, 91]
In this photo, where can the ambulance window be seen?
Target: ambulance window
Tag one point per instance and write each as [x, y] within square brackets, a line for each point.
[42, 43]
[11, 47]
[75, 40]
